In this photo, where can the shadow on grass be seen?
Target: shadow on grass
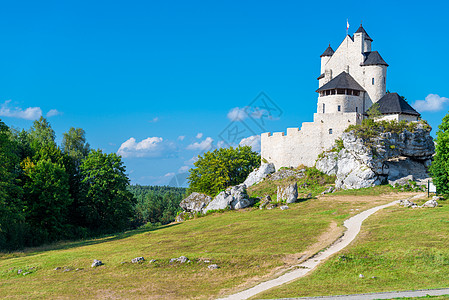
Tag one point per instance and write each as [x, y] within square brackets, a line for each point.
[64, 245]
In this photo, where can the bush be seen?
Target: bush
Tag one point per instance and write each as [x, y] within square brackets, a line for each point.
[216, 170]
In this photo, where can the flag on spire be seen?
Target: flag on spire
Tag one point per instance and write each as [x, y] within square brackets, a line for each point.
[347, 24]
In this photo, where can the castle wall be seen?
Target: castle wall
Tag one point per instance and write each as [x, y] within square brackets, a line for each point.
[378, 89]
[303, 146]
[398, 117]
[347, 103]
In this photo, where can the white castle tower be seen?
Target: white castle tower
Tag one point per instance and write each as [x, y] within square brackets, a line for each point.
[352, 78]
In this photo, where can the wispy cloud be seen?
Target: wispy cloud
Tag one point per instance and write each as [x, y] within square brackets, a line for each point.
[203, 145]
[149, 147]
[199, 135]
[53, 112]
[183, 169]
[30, 113]
[433, 102]
[240, 114]
[237, 114]
[181, 137]
[252, 141]
[154, 120]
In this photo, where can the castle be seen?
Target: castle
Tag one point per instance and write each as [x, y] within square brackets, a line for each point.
[352, 78]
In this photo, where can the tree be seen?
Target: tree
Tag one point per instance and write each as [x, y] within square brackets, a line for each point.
[11, 206]
[216, 170]
[107, 205]
[374, 111]
[440, 165]
[74, 144]
[47, 199]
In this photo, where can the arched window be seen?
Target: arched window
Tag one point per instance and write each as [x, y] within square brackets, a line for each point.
[330, 130]
[339, 108]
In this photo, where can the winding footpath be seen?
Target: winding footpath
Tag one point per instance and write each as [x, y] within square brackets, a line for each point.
[353, 226]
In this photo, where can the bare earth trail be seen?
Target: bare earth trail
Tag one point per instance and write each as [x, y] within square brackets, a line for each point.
[353, 226]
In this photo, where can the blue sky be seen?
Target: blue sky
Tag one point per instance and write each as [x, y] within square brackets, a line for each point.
[159, 82]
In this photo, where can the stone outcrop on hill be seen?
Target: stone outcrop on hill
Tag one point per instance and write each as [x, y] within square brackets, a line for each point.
[234, 197]
[259, 174]
[388, 156]
[288, 193]
[195, 202]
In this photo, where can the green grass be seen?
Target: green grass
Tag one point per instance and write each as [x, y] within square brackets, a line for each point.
[402, 248]
[247, 245]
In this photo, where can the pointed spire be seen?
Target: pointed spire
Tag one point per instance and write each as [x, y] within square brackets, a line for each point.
[362, 30]
[328, 52]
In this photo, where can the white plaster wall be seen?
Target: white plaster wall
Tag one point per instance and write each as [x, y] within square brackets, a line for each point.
[348, 103]
[378, 89]
[303, 146]
[398, 117]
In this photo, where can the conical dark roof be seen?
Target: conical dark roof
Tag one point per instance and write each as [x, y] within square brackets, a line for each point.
[342, 81]
[373, 58]
[328, 52]
[361, 29]
[392, 103]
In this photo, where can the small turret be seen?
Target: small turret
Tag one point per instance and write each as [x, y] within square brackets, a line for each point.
[327, 54]
[363, 38]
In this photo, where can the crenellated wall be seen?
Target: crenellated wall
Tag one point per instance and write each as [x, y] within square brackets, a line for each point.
[302, 147]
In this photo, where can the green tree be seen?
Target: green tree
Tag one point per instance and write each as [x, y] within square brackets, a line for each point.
[107, 205]
[47, 199]
[440, 165]
[74, 144]
[374, 111]
[11, 206]
[216, 170]
[75, 149]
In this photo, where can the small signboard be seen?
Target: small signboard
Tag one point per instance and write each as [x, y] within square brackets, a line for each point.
[432, 187]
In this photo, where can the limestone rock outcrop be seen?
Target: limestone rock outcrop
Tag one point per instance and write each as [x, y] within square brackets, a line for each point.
[387, 157]
[195, 202]
[234, 197]
[288, 193]
[259, 174]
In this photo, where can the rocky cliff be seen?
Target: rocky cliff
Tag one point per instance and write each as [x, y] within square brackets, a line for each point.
[379, 153]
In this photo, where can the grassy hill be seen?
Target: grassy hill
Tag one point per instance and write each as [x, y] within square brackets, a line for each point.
[248, 245]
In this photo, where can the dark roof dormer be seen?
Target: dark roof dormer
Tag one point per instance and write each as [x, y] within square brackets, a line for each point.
[362, 30]
[328, 52]
[373, 58]
[342, 81]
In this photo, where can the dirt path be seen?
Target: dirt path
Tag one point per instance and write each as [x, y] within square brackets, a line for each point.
[353, 226]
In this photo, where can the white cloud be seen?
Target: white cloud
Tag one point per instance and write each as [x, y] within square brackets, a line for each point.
[183, 169]
[433, 102]
[204, 145]
[169, 174]
[149, 147]
[199, 135]
[30, 113]
[181, 137]
[221, 144]
[252, 141]
[154, 120]
[53, 112]
[237, 114]
[191, 161]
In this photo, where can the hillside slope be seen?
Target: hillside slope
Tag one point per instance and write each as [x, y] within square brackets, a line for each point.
[247, 245]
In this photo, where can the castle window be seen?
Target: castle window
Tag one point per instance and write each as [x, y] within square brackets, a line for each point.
[330, 130]
[340, 91]
[356, 93]
[385, 80]
[324, 108]
[339, 108]
[332, 92]
[356, 109]
[372, 80]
